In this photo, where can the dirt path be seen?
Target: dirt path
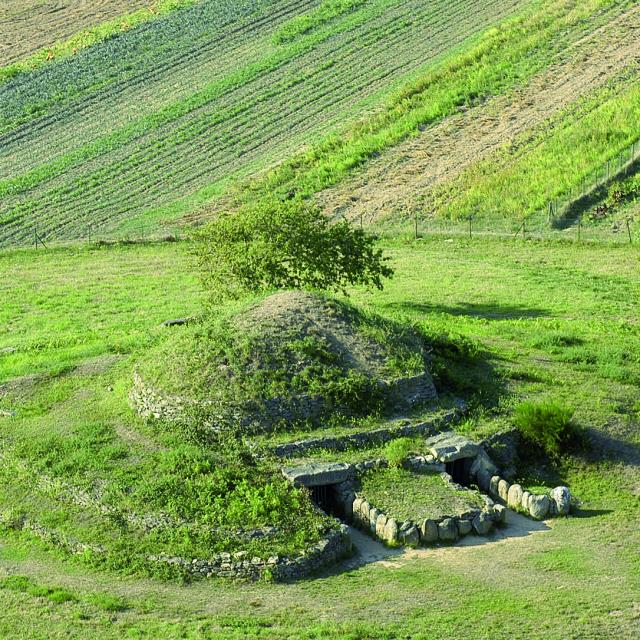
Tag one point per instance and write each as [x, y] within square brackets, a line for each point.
[413, 169]
[371, 551]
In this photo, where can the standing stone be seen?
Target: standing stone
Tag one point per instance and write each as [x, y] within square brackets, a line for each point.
[482, 524]
[410, 536]
[538, 506]
[448, 530]
[380, 525]
[364, 514]
[493, 486]
[464, 527]
[503, 490]
[500, 513]
[347, 507]
[429, 532]
[373, 518]
[484, 479]
[356, 510]
[562, 499]
[514, 496]
[524, 502]
[391, 531]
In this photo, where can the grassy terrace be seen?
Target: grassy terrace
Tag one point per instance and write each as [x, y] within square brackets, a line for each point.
[407, 495]
[548, 319]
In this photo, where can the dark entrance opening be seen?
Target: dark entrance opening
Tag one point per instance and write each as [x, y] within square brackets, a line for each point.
[326, 497]
[459, 470]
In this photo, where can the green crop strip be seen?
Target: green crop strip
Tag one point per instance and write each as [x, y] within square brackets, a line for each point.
[90, 37]
[273, 60]
[503, 58]
[504, 184]
[300, 25]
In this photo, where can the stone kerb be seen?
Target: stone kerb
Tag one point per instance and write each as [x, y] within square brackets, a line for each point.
[537, 506]
[366, 438]
[239, 565]
[361, 513]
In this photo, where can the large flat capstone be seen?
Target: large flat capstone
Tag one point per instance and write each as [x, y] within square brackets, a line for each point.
[319, 474]
[449, 446]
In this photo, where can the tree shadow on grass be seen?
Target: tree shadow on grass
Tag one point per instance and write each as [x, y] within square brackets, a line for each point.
[486, 311]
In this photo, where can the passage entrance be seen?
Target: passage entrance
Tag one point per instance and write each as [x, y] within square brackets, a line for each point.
[326, 497]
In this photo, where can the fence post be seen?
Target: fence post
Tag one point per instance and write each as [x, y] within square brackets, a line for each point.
[629, 231]
[580, 228]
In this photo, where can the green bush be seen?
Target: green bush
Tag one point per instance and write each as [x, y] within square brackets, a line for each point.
[547, 425]
[277, 245]
[396, 451]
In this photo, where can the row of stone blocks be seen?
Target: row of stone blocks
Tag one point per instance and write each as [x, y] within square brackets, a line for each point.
[362, 514]
[558, 503]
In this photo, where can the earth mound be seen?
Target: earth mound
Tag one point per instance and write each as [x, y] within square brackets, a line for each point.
[290, 357]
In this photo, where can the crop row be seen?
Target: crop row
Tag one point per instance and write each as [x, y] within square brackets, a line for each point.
[219, 133]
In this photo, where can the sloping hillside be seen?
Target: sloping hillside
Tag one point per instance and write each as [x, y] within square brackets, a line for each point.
[173, 109]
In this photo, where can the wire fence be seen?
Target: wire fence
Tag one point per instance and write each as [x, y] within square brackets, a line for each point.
[562, 218]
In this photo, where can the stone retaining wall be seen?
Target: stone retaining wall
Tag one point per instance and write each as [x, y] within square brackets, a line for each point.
[366, 438]
[335, 546]
[356, 509]
[538, 506]
[259, 417]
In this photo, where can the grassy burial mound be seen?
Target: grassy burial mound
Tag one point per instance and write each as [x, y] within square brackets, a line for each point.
[289, 357]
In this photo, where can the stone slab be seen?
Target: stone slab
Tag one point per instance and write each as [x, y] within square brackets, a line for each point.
[449, 446]
[319, 474]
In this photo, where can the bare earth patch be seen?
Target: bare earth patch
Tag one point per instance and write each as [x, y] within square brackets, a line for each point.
[409, 172]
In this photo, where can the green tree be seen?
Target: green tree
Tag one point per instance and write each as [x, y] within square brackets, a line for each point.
[288, 245]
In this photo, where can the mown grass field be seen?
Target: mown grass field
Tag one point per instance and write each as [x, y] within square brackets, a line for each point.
[552, 320]
[170, 111]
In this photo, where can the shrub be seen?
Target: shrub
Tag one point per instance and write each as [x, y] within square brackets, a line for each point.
[285, 245]
[396, 451]
[547, 425]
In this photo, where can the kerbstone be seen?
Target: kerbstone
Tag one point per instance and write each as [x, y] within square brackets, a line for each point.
[539, 506]
[514, 496]
[503, 489]
[391, 531]
[464, 527]
[373, 519]
[482, 524]
[410, 536]
[381, 523]
[493, 486]
[561, 496]
[448, 530]
[429, 531]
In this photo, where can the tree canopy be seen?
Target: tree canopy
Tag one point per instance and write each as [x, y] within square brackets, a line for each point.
[291, 245]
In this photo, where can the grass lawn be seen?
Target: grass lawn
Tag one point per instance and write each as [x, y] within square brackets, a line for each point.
[549, 320]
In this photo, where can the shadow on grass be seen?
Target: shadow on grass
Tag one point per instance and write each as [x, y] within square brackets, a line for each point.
[577, 512]
[486, 311]
[606, 447]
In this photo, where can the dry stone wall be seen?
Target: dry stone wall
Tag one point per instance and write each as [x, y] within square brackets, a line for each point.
[260, 417]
